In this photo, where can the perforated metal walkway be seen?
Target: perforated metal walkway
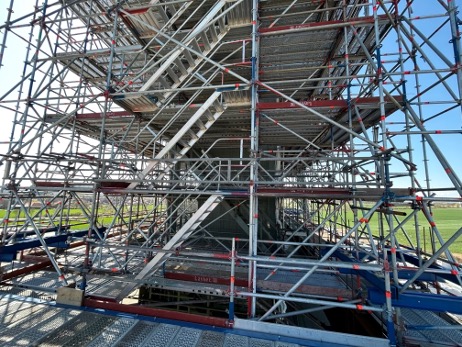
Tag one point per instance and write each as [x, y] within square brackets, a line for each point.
[30, 323]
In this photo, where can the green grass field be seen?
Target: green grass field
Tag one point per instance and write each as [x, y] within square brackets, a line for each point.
[448, 220]
[75, 217]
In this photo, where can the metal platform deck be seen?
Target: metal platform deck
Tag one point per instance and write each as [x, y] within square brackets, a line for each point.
[31, 323]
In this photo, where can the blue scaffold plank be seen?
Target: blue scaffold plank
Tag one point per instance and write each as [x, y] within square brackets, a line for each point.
[420, 301]
[8, 252]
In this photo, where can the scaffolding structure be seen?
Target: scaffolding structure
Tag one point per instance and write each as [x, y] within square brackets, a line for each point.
[277, 153]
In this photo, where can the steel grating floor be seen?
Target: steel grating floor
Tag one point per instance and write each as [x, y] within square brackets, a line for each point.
[31, 324]
[440, 335]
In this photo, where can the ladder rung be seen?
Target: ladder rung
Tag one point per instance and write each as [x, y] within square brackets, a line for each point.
[218, 106]
[213, 32]
[184, 150]
[174, 152]
[180, 66]
[172, 9]
[193, 134]
[155, 22]
[163, 14]
[201, 125]
[189, 58]
[205, 41]
[173, 75]
[222, 24]
[196, 46]
[209, 116]
[164, 82]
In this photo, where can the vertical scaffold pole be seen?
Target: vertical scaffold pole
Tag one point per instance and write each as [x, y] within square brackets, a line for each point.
[232, 281]
[423, 141]
[350, 148]
[403, 83]
[388, 303]
[452, 11]
[385, 162]
[5, 34]
[99, 172]
[253, 200]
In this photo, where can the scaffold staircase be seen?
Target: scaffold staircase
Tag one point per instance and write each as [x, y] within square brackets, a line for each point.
[195, 128]
[180, 236]
[181, 61]
[184, 56]
[160, 17]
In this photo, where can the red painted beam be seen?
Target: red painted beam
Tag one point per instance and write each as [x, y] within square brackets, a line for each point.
[314, 103]
[262, 284]
[33, 259]
[333, 24]
[49, 184]
[24, 270]
[154, 312]
[331, 192]
[307, 289]
[100, 298]
[114, 184]
[135, 11]
[322, 103]
[90, 157]
[204, 279]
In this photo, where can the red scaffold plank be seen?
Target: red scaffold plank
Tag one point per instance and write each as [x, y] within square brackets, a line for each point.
[154, 312]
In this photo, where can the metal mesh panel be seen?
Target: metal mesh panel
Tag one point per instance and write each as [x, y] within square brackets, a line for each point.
[43, 279]
[260, 343]
[284, 344]
[414, 317]
[186, 337]
[78, 331]
[28, 293]
[13, 311]
[137, 334]
[9, 333]
[232, 340]
[162, 336]
[114, 332]
[104, 287]
[39, 331]
[210, 339]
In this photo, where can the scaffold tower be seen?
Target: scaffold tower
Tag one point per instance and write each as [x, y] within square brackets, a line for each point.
[237, 161]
